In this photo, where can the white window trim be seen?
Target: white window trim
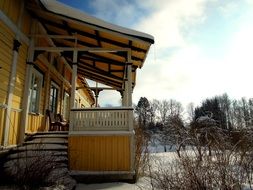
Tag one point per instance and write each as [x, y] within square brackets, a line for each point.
[64, 111]
[54, 84]
[36, 73]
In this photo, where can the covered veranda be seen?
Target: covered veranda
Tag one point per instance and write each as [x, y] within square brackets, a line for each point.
[101, 140]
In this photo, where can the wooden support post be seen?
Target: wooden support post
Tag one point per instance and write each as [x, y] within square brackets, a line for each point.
[129, 103]
[129, 85]
[73, 88]
[26, 100]
[73, 81]
[11, 87]
[47, 91]
[12, 77]
[26, 95]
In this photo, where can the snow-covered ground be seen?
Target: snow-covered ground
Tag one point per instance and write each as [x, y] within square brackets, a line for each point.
[111, 186]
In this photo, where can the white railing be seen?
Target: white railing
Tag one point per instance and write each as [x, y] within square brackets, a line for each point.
[101, 119]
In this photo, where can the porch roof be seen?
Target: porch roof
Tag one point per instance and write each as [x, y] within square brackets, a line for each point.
[83, 31]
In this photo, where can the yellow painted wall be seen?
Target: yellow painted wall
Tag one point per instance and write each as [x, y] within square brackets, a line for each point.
[99, 153]
[20, 77]
[83, 96]
[6, 41]
[35, 123]
[14, 127]
[11, 8]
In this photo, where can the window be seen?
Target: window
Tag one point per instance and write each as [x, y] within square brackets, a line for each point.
[35, 90]
[66, 106]
[53, 101]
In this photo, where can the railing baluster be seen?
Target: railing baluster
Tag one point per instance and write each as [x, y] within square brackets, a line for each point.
[102, 119]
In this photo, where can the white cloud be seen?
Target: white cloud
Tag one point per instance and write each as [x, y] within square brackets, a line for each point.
[239, 62]
[185, 76]
[121, 12]
[168, 22]
[179, 69]
[228, 8]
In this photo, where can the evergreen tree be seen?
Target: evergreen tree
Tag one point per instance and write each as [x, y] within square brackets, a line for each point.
[211, 107]
[143, 112]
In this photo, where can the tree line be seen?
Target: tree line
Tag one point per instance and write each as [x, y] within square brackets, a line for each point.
[228, 113]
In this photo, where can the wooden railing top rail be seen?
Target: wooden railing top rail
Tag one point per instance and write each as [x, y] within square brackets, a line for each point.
[102, 109]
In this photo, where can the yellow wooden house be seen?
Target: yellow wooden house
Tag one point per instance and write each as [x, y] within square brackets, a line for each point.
[47, 51]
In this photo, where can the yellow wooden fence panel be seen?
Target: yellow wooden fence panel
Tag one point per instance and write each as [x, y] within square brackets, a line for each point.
[14, 126]
[99, 153]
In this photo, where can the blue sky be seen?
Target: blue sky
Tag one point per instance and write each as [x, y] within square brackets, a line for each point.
[203, 47]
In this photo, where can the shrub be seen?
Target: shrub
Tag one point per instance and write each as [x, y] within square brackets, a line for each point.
[215, 163]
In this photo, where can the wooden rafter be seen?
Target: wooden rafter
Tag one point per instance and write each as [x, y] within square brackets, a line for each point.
[89, 35]
[84, 65]
[100, 79]
[67, 27]
[98, 38]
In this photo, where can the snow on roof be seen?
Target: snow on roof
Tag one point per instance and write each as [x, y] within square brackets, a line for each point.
[62, 9]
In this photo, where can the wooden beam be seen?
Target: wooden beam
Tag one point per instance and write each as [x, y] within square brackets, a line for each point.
[99, 78]
[102, 60]
[65, 23]
[121, 54]
[104, 77]
[79, 49]
[100, 71]
[56, 36]
[98, 38]
[89, 35]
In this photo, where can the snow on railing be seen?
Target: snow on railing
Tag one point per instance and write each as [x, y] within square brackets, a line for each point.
[101, 119]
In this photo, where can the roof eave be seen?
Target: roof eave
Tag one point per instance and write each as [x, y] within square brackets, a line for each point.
[67, 11]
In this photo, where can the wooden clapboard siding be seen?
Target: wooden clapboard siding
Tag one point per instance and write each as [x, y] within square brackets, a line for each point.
[26, 24]
[11, 8]
[83, 95]
[99, 153]
[20, 77]
[6, 41]
[35, 123]
[2, 116]
[14, 126]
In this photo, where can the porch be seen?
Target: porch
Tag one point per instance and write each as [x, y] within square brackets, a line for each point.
[101, 141]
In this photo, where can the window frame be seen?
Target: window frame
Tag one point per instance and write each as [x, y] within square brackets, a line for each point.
[35, 73]
[66, 105]
[54, 100]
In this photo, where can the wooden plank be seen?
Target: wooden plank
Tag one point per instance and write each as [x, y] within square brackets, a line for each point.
[35, 123]
[26, 23]
[14, 127]
[99, 153]
[5, 30]
[1, 8]
[6, 52]
[3, 95]
[6, 6]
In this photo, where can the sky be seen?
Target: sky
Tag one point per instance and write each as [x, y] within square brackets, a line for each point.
[202, 48]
